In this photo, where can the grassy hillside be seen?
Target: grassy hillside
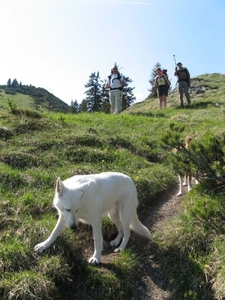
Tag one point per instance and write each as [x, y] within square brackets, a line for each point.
[24, 96]
[204, 89]
[36, 148]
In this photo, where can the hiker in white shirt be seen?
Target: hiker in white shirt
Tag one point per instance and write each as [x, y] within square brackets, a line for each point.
[115, 82]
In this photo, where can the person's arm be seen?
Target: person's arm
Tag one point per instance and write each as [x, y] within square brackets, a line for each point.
[156, 83]
[188, 75]
[122, 82]
[107, 85]
[189, 78]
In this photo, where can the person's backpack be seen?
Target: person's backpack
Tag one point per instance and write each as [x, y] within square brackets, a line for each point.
[183, 75]
[118, 76]
[164, 72]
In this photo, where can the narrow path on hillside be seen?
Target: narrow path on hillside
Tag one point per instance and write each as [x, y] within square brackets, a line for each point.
[152, 283]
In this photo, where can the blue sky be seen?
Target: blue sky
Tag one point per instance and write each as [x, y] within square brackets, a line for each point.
[57, 44]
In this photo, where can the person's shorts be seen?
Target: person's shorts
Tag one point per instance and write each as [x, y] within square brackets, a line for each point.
[162, 90]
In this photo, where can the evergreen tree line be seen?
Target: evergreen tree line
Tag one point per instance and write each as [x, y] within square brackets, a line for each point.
[13, 83]
[97, 99]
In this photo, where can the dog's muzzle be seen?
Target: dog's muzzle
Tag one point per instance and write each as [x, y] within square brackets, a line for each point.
[73, 227]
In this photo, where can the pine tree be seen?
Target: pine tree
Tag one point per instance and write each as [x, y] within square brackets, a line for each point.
[105, 107]
[75, 106]
[128, 95]
[94, 93]
[83, 106]
[153, 92]
[9, 82]
[14, 83]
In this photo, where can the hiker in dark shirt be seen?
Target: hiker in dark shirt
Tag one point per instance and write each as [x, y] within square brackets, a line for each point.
[184, 79]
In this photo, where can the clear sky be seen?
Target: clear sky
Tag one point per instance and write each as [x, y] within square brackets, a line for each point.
[57, 44]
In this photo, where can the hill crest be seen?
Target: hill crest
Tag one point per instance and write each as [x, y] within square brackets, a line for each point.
[34, 97]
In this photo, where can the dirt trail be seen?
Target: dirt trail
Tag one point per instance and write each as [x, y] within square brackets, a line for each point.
[152, 284]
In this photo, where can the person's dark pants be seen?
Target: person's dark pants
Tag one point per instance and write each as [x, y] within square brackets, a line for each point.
[183, 88]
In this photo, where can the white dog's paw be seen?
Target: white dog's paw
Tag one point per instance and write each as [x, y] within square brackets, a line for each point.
[40, 248]
[94, 260]
[118, 249]
[179, 194]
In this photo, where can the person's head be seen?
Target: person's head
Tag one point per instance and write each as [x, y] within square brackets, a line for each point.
[158, 71]
[179, 65]
[114, 70]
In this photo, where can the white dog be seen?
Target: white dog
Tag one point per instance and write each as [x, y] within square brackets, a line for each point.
[86, 198]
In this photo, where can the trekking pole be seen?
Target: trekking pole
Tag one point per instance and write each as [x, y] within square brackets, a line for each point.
[175, 60]
[175, 64]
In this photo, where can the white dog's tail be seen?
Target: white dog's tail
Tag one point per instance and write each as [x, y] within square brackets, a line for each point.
[139, 228]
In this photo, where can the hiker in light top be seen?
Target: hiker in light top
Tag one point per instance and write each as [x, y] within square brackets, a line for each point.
[184, 80]
[162, 85]
[115, 82]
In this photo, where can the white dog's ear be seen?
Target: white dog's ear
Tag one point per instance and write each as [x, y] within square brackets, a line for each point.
[59, 186]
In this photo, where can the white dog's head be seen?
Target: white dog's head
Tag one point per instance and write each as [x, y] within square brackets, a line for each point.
[67, 201]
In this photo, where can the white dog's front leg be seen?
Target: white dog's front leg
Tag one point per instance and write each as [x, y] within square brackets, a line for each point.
[60, 226]
[95, 259]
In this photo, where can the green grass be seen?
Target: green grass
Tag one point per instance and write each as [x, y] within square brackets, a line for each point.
[21, 100]
[36, 149]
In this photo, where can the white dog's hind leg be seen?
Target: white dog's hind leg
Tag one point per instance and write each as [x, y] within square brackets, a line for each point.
[125, 217]
[180, 185]
[114, 217]
[189, 183]
[185, 180]
[95, 259]
[60, 226]
[126, 237]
